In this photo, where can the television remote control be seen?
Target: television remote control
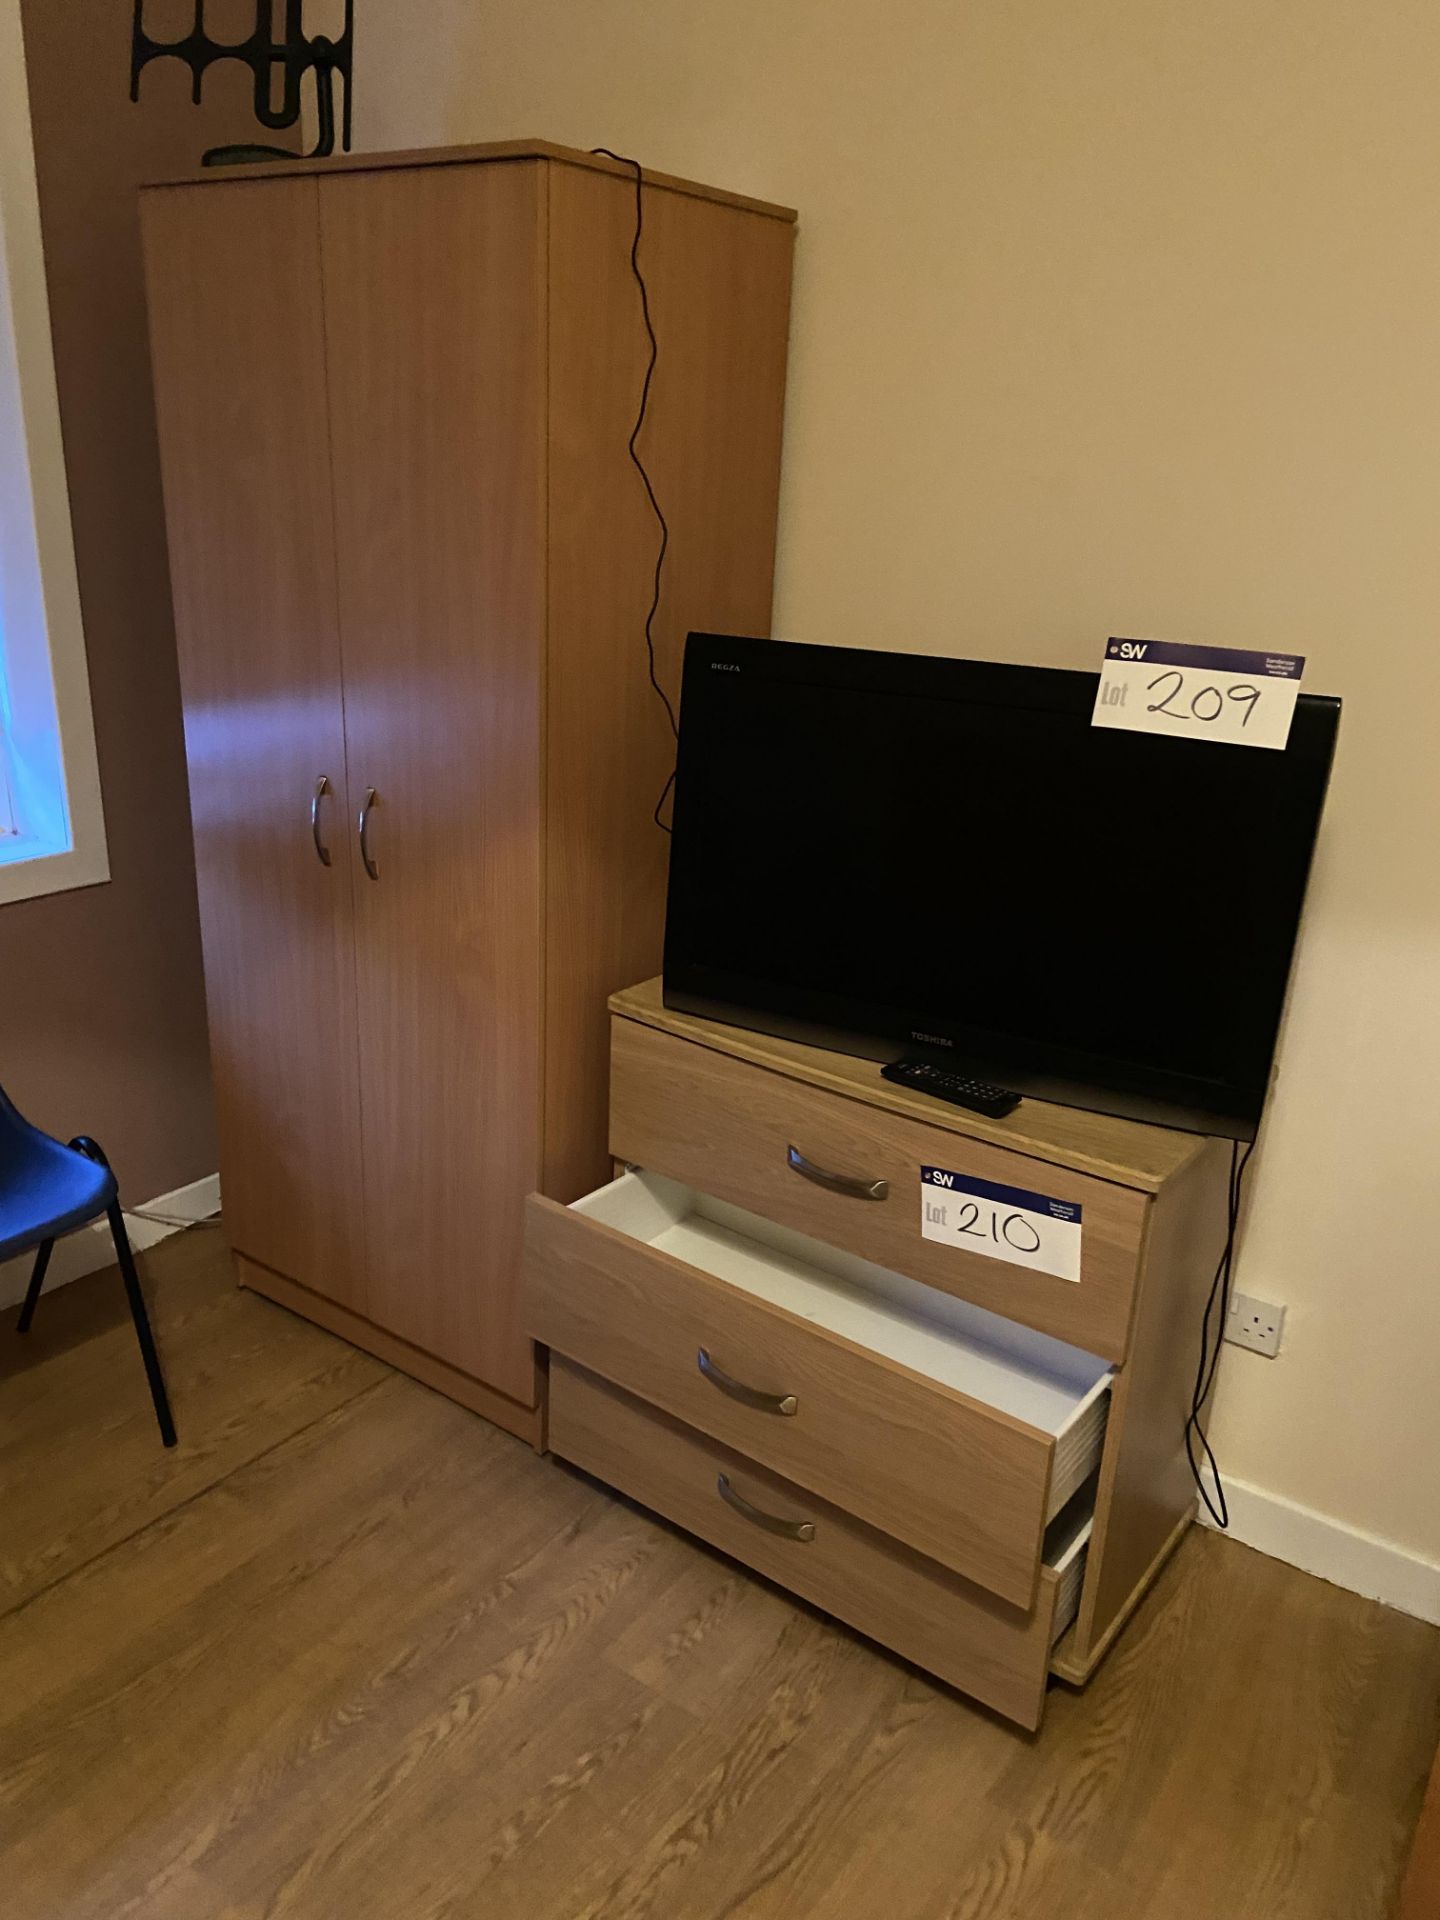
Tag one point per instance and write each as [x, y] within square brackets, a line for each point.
[957, 1088]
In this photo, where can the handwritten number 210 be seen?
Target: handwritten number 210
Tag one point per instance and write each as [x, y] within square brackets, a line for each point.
[1248, 695]
[1014, 1229]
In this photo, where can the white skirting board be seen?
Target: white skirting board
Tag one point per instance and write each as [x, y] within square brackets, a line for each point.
[1335, 1552]
[91, 1248]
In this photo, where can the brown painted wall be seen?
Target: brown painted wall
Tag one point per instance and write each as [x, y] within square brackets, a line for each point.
[104, 1020]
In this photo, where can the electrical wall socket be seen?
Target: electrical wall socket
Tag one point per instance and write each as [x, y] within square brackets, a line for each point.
[1256, 1324]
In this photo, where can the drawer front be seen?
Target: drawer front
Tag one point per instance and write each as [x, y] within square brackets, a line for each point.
[953, 1478]
[727, 1128]
[922, 1611]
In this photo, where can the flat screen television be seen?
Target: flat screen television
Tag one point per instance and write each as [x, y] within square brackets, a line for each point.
[902, 855]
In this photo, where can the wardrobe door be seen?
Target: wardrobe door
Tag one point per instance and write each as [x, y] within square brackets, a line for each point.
[433, 301]
[238, 346]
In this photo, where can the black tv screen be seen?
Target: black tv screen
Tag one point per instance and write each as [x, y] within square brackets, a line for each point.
[901, 855]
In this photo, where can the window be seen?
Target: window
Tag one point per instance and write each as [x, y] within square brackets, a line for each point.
[52, 830]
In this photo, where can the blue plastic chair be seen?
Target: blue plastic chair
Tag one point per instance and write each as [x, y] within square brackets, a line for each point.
[47, 1190]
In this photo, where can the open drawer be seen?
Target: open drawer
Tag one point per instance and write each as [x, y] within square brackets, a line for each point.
[923, 1611]
[942, 1425]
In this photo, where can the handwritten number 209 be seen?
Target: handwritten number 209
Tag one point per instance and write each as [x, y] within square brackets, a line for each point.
[1246, 694]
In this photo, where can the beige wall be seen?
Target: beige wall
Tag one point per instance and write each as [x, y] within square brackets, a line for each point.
[1112, 318]
[104, 1020]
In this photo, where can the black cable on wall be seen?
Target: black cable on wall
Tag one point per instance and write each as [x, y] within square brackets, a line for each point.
[633, 449]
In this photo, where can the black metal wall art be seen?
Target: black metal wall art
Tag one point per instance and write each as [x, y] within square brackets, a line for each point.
[286, 58]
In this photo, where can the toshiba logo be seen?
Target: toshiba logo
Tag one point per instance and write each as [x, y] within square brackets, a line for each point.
[935, 1039]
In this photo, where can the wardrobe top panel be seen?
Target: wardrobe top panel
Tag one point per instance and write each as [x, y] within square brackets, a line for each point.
[491, 151]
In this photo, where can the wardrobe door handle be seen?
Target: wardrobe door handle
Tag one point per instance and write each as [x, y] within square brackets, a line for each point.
[322, 787]
[803, 1530]
[846, 1183]
[747, 1396]
[365, 805]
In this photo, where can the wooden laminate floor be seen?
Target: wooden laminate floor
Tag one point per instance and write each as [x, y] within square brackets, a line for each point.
[350, 1654]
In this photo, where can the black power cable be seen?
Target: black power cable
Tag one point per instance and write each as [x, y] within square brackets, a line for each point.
[624, 160]
[1209, 1359]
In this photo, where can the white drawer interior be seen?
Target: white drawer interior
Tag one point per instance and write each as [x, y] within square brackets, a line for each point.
[1034, 1378]
[1067, 1543]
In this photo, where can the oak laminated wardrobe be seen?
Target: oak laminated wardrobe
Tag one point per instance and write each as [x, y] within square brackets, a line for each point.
[412, 563]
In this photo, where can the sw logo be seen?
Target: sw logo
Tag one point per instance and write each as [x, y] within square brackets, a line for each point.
[1129, 649]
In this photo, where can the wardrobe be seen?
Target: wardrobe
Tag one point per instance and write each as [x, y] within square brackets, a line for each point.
[412, 563]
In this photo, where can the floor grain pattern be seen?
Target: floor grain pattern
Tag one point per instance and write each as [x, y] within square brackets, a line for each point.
[350, 1652]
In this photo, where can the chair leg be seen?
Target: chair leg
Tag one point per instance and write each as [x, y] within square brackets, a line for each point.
[142, 1323]
[37, 1280]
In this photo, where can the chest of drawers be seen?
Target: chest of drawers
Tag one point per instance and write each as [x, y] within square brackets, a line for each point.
[978, 1464]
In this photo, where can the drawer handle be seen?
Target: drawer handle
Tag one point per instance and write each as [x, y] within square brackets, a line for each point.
[847, 1183]
[803, 1530]
[747, 1396]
